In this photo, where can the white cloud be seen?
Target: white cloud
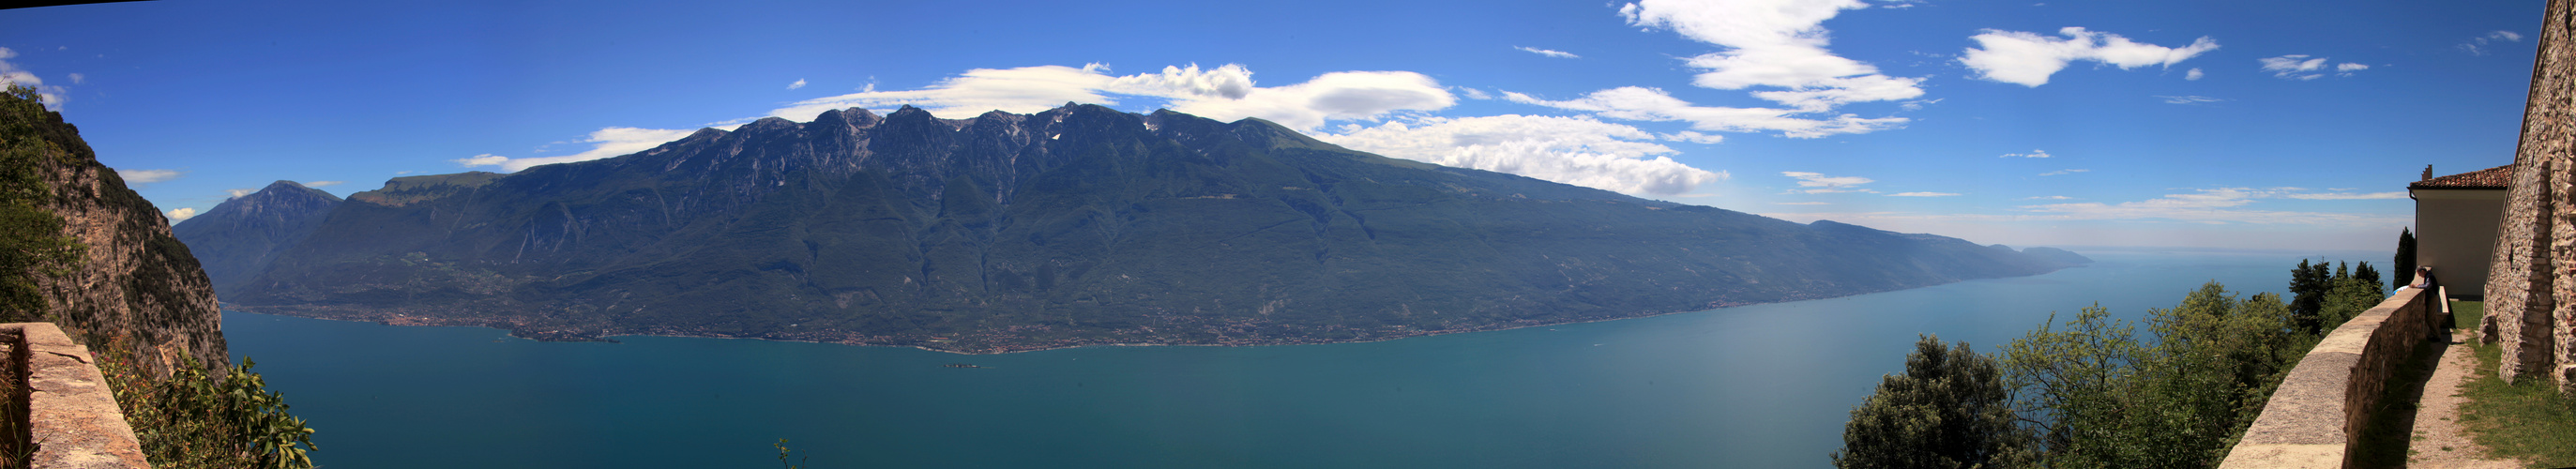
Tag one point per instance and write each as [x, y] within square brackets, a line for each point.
[486, 159]
[2032, 154]
[1573, 150]
[608, 142]
[1649, 104]
[239, 192]
[52, 96]
[2028, 59]
[79, 78]
[1816, 183]
[1692, 137]
[2478, 45]
[1922, 194]
[2194, 74]
[2368, 196]
[324, 183]
[1472, 93]
[181, 213]
[1223, 93]
[1332, 96]
[2048, 197]
[1019, 90]
[1549, 53]
[2304, 67]
[800, 83]
[2188, 99]
[2064, 171]
[1773, 43]
[148, 176]
[1802, 203]
[2211, 206]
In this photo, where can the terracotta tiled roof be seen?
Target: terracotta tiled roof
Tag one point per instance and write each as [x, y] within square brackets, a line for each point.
[2491, 178]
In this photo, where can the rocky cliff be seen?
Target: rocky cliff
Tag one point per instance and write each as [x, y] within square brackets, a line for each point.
[134, 286]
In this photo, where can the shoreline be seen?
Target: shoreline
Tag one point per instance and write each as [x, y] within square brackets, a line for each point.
[610, 337]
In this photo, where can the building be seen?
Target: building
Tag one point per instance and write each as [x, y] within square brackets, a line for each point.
[2455, 226]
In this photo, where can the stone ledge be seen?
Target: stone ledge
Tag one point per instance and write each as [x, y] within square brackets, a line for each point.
[71, 416]
[2312, 419]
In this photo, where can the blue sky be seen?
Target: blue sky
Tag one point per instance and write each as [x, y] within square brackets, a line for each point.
[2274, 124]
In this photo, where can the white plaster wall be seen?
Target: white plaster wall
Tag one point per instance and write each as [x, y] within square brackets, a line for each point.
[2455, 232]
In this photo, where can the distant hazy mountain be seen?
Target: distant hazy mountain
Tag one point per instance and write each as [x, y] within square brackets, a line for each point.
[239, 237]
[1079, 225]
[2060, 256]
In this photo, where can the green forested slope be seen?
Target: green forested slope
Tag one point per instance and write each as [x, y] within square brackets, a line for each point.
[1080, 225]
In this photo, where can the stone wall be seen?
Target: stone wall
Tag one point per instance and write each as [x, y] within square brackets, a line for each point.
[60, 404]
[2529, 290]
[2314, 419]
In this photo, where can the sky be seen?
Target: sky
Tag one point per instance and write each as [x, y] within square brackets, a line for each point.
[2233, 124]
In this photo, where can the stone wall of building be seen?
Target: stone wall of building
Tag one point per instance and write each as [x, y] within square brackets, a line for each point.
[2529, 290]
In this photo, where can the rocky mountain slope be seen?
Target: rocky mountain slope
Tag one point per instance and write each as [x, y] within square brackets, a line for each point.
[239, 237]
[1075, 226]
[133, 283]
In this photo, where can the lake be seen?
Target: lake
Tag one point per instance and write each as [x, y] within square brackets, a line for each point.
[1754, 386]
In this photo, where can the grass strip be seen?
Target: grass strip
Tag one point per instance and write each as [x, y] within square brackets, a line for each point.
[2529, 421]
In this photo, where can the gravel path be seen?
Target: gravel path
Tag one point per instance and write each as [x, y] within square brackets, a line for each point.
[2438, 439]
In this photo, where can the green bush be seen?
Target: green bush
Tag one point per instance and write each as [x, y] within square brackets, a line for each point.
[191, 420]
[2091, 392]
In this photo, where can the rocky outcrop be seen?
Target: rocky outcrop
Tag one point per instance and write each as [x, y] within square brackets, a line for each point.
[136, 286]
[238, 238]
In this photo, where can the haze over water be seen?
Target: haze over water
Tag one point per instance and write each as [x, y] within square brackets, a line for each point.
[1755, 386]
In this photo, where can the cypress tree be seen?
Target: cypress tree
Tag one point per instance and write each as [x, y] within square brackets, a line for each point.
[2405, 273]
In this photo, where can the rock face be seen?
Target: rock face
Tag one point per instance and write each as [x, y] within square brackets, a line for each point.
[239, 237]
[1075, 226]
[136, 285]
[2524, 310]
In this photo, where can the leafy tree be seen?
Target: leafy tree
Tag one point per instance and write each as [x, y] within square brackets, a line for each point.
[1950, 409]
[2068, 383]
[2099, 396]
[2349, 297]
[2363, 272]
[2308, 285]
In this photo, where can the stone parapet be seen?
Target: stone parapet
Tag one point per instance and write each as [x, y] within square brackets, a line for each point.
[2313, 419]
[59, 405]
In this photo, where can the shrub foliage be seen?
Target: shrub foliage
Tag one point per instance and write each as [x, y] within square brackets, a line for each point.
[2093, 393]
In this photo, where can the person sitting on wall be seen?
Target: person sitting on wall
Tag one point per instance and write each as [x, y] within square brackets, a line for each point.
[2423, 279]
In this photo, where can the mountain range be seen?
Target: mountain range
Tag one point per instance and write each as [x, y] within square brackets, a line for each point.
[1080, 225]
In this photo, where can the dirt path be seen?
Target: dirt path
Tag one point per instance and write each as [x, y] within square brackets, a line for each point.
[2438, 439]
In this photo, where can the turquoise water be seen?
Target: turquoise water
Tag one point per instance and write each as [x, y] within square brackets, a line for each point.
[1755, 386]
